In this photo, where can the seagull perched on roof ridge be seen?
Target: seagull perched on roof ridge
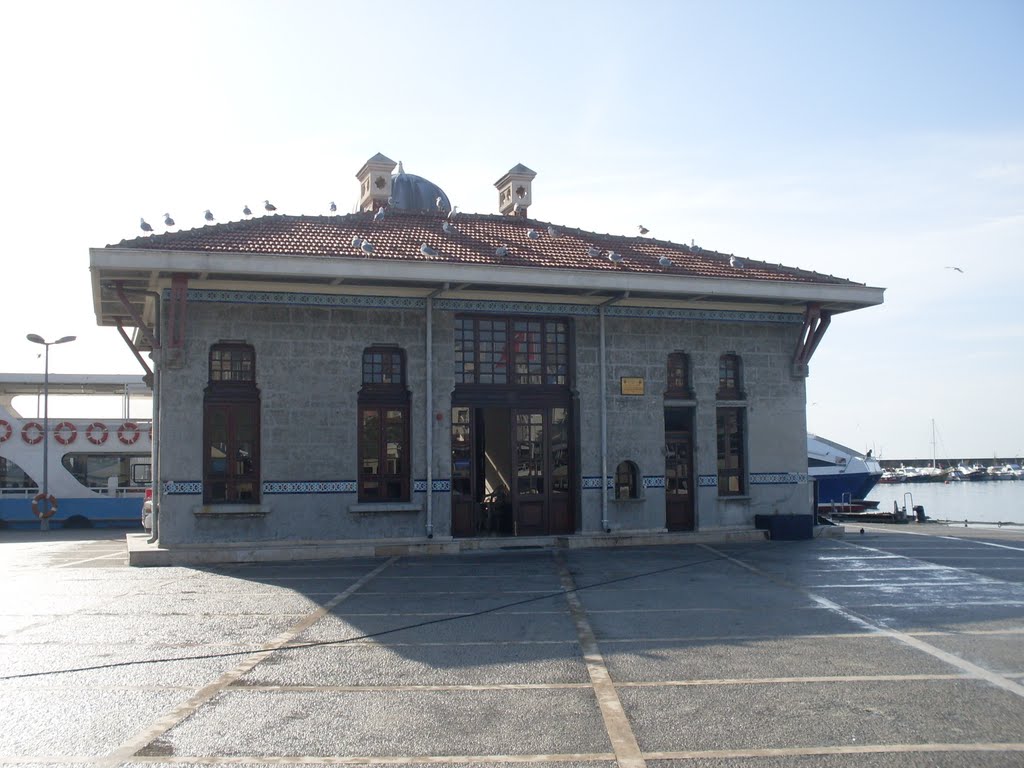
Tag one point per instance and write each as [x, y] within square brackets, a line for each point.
[735, 262]
[379, 214]
[333, 207]
[207, 215]
[246, 211]
[453, 212]
[168, 221]
[552, 232]
[532, 234]
[426, 250]
[642, 229]
[144, 226]
[439, 203]
[268, 206]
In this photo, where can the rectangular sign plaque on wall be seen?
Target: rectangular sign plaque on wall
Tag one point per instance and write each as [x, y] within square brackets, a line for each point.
[631, 385]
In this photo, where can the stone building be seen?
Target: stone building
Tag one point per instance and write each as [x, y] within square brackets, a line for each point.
[406, 373]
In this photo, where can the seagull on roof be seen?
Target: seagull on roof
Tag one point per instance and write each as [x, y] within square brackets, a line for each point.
[735, 262]
[366, 246]
[532, 234]
[957, 269]
[448, 228]
[643, 230]
[144, 226]
[334, 208]
[439, 203]
[501, 250]
[426, 250]
[552, 232]
[207, 215]
[168, 221]
[615, 257]
[454, 212]
[268, 206]
[379, 215]
[246, 211]
[593, 252]
[665, 261]
[357, 241]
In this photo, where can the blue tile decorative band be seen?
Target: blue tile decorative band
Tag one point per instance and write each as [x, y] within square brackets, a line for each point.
[707, 481]
[654, 481]
[777, 478]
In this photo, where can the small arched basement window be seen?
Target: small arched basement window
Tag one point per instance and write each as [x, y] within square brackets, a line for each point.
[627, 481]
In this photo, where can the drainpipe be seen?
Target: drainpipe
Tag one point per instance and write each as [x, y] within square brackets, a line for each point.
[605, 526]
[430, 408]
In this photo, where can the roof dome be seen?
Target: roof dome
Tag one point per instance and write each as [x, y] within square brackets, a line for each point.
[415, 194]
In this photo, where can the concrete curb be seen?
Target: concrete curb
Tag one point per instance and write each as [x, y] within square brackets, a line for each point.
[142, 553]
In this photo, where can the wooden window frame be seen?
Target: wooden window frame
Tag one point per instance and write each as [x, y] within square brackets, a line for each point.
[384, 390]
[677, 383]
[730, 382]
[231, 394]
[512, 351]
[731, 450]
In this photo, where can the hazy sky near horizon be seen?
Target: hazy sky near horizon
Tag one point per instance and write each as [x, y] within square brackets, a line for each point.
[878, 141]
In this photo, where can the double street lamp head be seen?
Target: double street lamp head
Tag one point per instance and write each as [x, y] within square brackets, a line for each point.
[36, 338]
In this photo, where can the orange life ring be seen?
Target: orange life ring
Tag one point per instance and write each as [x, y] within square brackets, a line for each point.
[96, 433]
[5, 430]
[32, 426]
[60, 429]
[128, 433]
[51, 500]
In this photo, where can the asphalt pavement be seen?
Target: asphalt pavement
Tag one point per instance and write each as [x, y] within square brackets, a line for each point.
[896, 647]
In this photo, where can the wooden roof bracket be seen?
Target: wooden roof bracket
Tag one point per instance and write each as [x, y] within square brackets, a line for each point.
[148, 378]
[133, 312]
[816, 322]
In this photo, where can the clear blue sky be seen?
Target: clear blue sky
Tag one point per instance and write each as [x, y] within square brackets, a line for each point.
[882, 142]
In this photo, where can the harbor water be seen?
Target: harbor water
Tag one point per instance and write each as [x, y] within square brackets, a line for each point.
[983, 503]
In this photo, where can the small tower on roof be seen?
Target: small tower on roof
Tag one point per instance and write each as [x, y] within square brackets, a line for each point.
[375, 182]
[514, 191]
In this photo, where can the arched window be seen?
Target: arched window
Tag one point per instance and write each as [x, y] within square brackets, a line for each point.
[383, 439]
[678, 383]
[730, 386]
[627, 478]
[231, 426]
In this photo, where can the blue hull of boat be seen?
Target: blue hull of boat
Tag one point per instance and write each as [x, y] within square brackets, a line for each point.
[844, 487]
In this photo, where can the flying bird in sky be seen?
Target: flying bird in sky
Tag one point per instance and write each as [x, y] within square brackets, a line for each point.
[268, 206]
[334, 208]
[144, 226]
[168, 221]
[247, 211]
[957, 269]
[207, 215]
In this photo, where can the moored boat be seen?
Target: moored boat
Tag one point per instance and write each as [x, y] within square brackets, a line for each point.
[841, 473]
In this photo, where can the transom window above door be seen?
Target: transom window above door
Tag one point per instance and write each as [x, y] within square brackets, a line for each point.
[511, 351]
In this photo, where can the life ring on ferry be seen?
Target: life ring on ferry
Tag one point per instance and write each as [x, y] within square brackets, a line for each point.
[128, 433]
[96, 433]
[65, 433]
[32, 426]
[5, 430]
[51, 500]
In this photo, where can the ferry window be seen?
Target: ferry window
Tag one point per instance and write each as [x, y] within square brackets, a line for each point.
[94, 470]
[729, 384]
[678, 384]
[626, 481]
[731, 452]
[231, 427]
[383, 439]
[13, 476]
[511, 351]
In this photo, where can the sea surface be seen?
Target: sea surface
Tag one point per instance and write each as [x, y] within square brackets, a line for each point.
[987, 502]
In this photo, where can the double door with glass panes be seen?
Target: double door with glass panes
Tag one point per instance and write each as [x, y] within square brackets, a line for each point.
[511, 470]
[679, 485]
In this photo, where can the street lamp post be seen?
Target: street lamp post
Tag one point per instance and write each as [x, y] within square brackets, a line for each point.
[44, 522]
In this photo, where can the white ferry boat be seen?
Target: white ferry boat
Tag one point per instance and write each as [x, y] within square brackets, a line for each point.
[842, 474]
[98, 469]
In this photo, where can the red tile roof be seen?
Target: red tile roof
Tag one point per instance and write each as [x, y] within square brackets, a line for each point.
[474, 240]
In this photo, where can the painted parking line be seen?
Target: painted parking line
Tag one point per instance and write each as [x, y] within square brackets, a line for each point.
[971, 669]
[162, 725]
